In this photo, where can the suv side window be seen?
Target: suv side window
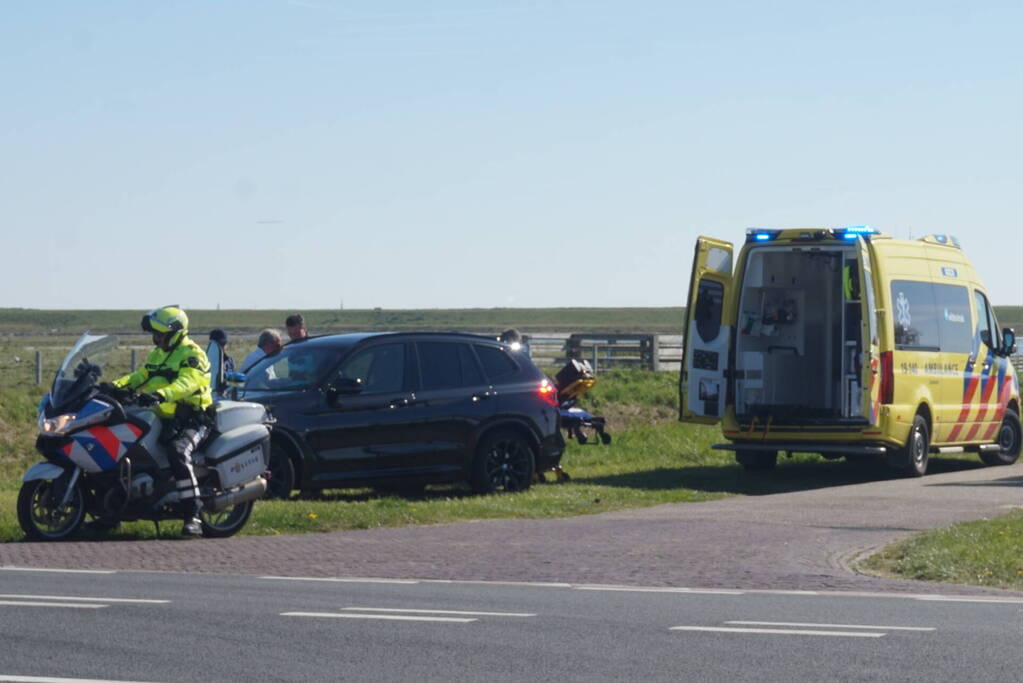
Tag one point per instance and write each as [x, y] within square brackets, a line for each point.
[447, 365]
[496, 362]
[381, 368]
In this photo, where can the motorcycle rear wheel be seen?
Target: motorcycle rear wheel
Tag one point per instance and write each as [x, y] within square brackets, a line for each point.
[227, 522]
[37, 516]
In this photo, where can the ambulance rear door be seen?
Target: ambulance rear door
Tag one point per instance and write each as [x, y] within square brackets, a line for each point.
[870, 375]
[707, 334]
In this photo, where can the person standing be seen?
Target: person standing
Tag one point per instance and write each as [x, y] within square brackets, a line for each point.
[219, 336]
[268, 344]
[295, 325]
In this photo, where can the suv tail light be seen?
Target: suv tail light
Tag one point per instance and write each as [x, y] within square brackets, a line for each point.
[549, 393]
[887, 388]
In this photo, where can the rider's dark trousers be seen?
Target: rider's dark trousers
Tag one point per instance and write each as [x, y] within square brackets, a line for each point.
[182, 444]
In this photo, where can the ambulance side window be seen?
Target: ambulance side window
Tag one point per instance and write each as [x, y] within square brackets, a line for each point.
[710, 298]
[987, 327]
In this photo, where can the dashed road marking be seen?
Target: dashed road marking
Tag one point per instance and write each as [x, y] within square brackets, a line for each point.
[780, 631]
[28, 603]
[57, 571]
[654, 589]
[441, 611]
[386, 617]
[17, 596]
[50, 679]
[340, 580]
[795, 623]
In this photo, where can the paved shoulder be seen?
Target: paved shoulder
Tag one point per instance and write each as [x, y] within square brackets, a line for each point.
[798, 541]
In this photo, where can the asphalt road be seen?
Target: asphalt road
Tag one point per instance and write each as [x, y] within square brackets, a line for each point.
[175, 627]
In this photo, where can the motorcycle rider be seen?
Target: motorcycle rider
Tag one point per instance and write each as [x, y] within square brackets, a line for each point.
[175, 380]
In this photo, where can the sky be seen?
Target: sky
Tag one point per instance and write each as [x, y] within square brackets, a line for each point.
[303, 154]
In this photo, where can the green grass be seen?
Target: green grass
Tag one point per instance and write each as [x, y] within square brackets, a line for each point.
[986, 552]
[653, 459]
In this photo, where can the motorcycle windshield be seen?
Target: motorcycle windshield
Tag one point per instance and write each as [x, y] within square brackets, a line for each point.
[81, 367]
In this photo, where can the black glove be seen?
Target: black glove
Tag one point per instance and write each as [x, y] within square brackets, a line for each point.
[146, 400]
[108, 389]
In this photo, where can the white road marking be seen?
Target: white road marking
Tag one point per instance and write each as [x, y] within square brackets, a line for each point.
[58, 571]
[963, 598]
[440, 611]
[67, 597]
[26, 603]
[793, 623]
[390, 617]
[641, 589]
[340, 580]
[49, 679]
[780, 631]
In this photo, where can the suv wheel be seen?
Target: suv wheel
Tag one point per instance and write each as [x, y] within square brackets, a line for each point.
[503, 462]
[282, 474]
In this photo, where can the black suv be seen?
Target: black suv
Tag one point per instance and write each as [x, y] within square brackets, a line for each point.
[401, 410]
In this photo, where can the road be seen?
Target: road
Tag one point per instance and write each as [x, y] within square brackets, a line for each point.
[172, 627]
[745, 588]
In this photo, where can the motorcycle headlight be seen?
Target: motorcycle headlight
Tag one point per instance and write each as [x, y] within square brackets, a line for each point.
[56, 426]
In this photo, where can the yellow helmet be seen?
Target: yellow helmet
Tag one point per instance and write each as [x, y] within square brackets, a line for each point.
[170, 321]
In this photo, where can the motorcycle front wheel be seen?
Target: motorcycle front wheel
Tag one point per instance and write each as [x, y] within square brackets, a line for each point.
[38, 516]
[227, 522]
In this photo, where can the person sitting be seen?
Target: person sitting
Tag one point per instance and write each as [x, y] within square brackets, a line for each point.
[268, 344]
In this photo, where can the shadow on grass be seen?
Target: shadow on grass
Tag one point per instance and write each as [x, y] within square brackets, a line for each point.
[786, 478]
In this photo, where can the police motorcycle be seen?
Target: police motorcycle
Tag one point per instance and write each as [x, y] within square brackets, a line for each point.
[104, 458]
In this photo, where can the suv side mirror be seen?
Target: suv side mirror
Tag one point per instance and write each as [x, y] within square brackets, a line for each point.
[1008, 341]
[343, 386]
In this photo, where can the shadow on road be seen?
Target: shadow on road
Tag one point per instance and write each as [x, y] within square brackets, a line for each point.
[788, 477]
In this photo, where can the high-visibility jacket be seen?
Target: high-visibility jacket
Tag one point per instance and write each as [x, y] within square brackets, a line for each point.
[181, 375]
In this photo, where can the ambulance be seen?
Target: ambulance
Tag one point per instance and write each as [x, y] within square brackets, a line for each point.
[848, 343]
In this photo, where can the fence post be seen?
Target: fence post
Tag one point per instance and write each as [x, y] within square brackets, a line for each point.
[39, 366]
[133, 351]
[596, 346]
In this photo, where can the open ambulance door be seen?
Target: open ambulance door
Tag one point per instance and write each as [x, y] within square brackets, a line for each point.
[870, 395]
[707, 334]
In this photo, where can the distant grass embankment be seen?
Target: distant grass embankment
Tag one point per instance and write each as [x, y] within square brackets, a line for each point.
[665, 320]
[27, 321]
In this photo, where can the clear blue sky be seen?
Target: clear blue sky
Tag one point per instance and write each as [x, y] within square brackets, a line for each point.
[292, 154]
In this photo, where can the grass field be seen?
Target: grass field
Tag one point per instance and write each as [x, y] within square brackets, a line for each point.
[652, 460]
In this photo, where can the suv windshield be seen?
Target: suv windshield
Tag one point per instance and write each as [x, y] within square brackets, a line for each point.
[295, 367]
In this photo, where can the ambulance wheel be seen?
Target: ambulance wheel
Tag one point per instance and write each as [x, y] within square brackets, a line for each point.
[757, 460]
[1009, 441]
[581, 438]
[911, 460]
[605, 438]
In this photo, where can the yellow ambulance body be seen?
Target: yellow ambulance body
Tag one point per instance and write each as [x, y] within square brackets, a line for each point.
[847, 343]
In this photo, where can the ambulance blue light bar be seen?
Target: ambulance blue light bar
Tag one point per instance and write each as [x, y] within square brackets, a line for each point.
[759, 235]
[854, 231]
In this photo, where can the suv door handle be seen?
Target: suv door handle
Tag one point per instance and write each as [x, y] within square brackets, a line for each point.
[482, 395]
[399, 403]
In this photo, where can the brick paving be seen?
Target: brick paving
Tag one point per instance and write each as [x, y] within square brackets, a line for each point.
[797, 541]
